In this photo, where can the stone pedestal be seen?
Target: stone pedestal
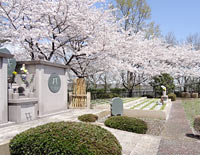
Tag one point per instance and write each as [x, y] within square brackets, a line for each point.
[164, 98]
[49, 85]
[22, 110]
[4, 85]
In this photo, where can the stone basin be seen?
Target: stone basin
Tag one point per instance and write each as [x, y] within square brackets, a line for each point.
[22, 109]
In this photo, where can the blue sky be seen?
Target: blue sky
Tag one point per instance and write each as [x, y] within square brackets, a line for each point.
[179, 16]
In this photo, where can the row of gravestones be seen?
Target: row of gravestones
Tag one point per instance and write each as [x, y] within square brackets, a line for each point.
[49, 88]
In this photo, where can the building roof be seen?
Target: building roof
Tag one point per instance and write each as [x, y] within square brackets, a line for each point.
[42, 62]
[5, 53]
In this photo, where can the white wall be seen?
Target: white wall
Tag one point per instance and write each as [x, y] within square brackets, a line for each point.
[3, 91]
[49, 102]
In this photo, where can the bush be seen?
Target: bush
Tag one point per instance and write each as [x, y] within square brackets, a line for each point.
[112, 95]
[172, 96]
[183, 94]
[197, 123]
[88, 118]
[187, 95]
[127, 124]
[117, 90]
[148, 96]
[178, 94]
[164, 79]
[195, 95]
[68, 138]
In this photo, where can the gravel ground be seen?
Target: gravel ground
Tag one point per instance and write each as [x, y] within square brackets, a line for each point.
[155, 126]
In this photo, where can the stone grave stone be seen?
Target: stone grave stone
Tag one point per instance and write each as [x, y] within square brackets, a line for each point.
[49, 85]
[116, 107]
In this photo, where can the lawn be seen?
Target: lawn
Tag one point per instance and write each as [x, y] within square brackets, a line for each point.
[108, 101]
[192, 108]
[148, 104]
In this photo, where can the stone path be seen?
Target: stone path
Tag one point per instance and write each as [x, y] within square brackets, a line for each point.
[135, 144]
[132, 144]
[174, 140]
[7, 133]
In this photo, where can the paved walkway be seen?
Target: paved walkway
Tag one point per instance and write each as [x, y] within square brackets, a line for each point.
[132, 144]
[174, 140]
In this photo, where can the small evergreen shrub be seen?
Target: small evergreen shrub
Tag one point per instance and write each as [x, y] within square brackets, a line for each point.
[195, 95]
[88, 118]
[117, 90]
[187, 95]
[178, 93]
[197, 123]
[183, 94]
[67, 138]
[172, 96]
[148, 96]
[127, 124]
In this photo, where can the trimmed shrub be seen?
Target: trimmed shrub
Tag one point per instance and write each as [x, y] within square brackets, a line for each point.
[195, 95]
[148, 96]
[117, 90]
[68, 138]
[88, 118]
[127, 124]
[183, 94]
[197, 123]
[172, 96]
[178, 93]
[187, 95]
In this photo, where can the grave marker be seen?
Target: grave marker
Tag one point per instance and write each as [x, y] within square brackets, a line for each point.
[116, 107]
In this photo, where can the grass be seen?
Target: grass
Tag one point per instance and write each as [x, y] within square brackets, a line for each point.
[147, 100]
[163, 107]
[152, 108]
[108, 101]
[192, 108]
[127, 100]
[154, 100]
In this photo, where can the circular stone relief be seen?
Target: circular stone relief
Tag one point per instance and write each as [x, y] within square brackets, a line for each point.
[54, 83]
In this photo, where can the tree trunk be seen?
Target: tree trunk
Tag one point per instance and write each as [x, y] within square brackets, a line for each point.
[185, 88]
[130, 92]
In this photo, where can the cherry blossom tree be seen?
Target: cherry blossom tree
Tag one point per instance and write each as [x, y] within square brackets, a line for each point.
[73, 32]
[91, 41]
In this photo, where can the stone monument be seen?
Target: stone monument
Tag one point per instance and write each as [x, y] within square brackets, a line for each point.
[116, 107]
[164, 97]
[4, 56]
[48, 83]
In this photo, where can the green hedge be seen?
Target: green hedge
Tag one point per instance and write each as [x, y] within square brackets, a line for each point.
[117, 90]
[67, 138]
[88, 118]
[127, 124]
[172, 96]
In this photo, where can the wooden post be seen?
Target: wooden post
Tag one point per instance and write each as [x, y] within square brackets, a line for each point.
[88, 100]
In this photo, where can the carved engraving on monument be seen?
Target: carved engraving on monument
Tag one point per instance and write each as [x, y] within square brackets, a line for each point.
[54, 83]
[28, 116]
